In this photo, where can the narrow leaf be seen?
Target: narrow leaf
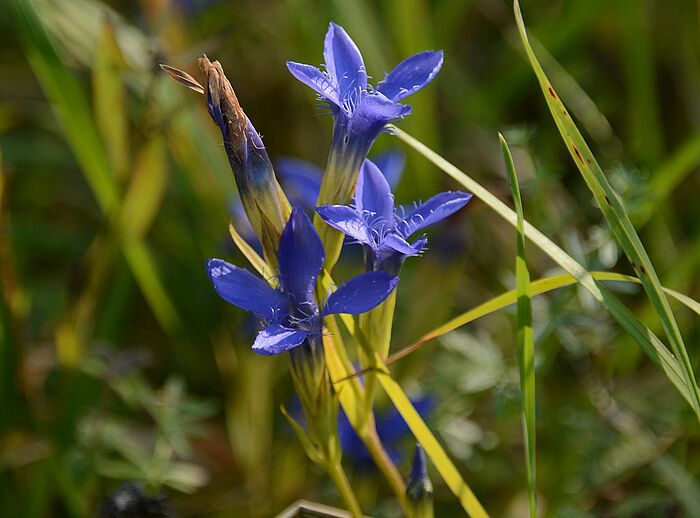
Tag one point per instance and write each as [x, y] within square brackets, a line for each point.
[143, 198]
[109, 99]
[526, 339]
[664, 358]
[614, 213]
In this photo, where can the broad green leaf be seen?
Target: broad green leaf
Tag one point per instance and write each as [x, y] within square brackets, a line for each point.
[526, 339]
[615, 215]
[109, 99]
[646, 339]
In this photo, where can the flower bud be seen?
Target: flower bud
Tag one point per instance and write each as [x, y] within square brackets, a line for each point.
[313, 386]
[265, 204]
[420, 489]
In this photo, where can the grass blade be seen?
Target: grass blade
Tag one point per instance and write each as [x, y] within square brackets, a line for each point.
[70, 106]
[646, 339]
[110, 100]
[526, 339]
[537, 287]
[73, 111]
[614, 213]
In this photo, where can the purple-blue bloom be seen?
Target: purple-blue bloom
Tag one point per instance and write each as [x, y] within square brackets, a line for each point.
[358, 108]
[291, 313]
[391, 428]
[374, 222]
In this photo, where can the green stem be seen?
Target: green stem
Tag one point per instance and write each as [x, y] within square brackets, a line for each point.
[340, 479]
[385, 465]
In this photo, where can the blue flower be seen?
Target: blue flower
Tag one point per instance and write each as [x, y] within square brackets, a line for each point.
[360, 113]
[301, 180]
[391, 428]
[375, 223]
[291, 313]
[361, 109]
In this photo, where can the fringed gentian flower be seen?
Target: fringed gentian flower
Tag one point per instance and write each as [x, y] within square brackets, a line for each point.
[391, 428]
[384, 231]
[294, 322]
[302, 180]
[360, 112]
[291, 313]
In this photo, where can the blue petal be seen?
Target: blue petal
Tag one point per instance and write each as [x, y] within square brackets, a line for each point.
[300, 257]
[361, 294]
[347, 220]
[373, 112]
[246, 291]
[275, 339]
[373, 194]
[302, 181]
[436, 208]
[344, 62]
[411, 75]
[317, 80]
[391, 163]
[400, 245]
[371, 115]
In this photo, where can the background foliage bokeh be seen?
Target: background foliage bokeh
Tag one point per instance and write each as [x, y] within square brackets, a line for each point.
[118, 360]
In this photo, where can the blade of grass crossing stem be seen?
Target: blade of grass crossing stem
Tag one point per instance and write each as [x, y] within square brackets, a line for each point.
[526, 339]
[664, 359]
[646, 339]
[537, 287]
[432, 447]
[614, 213]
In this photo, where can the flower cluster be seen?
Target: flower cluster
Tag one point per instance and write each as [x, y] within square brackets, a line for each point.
[353, 200]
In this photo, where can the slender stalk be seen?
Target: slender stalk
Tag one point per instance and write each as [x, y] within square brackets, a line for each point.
[385, 465]
[337, 473]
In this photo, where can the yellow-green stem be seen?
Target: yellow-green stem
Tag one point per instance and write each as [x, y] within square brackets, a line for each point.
[385, 465]
[337, 473]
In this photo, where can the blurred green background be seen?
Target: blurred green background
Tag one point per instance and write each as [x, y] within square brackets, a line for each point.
[119, 362]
